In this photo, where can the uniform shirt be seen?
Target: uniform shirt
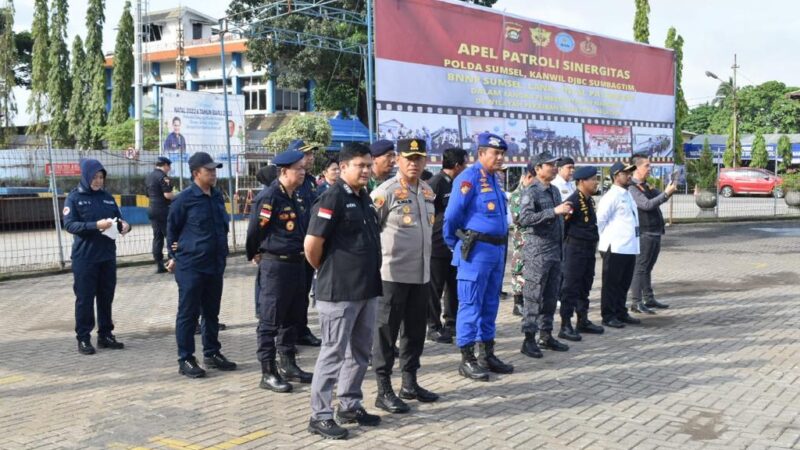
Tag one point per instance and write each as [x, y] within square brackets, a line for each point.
[618, 222]
[478, 203]
[542, 227]
[323, 187]
[199, 224]
[442, 185]
[405, 215]
[82, 209]
[275, 223]
[158, 184]
[565, 188]
[351, 256]
[308, 193]
[374, 182]
[582, 223]
[175, 142]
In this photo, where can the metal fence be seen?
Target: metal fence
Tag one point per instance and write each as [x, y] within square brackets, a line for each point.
[30, 215]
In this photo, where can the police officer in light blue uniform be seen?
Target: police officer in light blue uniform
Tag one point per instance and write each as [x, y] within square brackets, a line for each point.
[476, 229]
[87, 211]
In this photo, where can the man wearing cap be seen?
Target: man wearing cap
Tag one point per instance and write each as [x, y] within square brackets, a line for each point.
[159, 193]
[563, 181]
[580, 245]
[275, 242]
[476, 230]
[541, 217]
[308, 193]
[383, 161]
[406, 214]
[618, 224]
[444, 296]
[648, 200]
[197, 233]
[518, 240]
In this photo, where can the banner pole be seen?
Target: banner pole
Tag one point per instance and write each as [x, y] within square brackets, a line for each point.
[54, 190]
[370, 74]
[223, 25]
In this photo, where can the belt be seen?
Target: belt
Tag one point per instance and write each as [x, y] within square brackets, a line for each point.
[580, 242]
[296, 258]
[489, 238]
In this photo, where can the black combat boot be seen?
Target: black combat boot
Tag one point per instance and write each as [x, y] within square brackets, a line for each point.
[271, 379]
[413, 391]
[190, 368]
[546, 340]
[217, 360]
[86, 347]
[567, 332]
[586, 326]
[109, 342]
[287, 367]
[529, 347]
[469, 367]
[387, 400]
[518, 304]
[488, 361]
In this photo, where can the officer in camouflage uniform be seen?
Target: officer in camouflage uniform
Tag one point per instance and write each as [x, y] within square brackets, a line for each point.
[517, 241]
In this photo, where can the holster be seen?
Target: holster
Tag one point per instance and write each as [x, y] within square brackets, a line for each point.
[468, 238]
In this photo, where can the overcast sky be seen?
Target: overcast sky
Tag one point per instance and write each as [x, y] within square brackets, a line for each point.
[764, 34]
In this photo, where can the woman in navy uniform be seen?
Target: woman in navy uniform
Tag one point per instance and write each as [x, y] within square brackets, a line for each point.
[275, 241]
[88, 212]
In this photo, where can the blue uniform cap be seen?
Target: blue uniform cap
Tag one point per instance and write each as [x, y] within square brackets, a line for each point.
[203, 159]
[381, 147]
[491, 140]
[619, 166]
[301, 146]
[163, 160]
[585, 173]
[287, 158]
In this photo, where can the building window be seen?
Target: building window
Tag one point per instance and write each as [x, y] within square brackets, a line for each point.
[197, 31]
[152, 32]
[290, 99]
[214, 86]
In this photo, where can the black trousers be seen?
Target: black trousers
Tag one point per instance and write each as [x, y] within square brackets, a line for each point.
[280, 307]
[94, 280]
[617, 276]
[198, 293]
[159, 224]
[642, 284]
[579, 261]
[403, 305]
[302, 326]
[444, 294]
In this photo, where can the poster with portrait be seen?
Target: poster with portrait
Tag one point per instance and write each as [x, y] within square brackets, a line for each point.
[655, 142]
[559, 138]
[197, 119]
[607, 141]
[511, 130]
[440, 131]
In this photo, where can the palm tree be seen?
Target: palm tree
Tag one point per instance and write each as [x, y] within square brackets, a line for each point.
[724, 91]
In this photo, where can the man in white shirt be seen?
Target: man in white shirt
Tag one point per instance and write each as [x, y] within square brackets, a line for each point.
[618, 223]
[563, 181]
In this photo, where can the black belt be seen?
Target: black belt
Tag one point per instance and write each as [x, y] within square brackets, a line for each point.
[580, 242]
[488, 238]
[296, 258]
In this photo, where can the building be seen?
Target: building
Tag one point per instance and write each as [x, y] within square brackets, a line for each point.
[718, 142]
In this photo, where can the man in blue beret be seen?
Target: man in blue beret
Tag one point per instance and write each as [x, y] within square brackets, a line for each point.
[580, 245]
[476, 230]
[159, 193]
[275, 242]
[383, 161]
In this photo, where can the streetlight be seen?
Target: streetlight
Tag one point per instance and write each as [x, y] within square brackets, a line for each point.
[733, 89]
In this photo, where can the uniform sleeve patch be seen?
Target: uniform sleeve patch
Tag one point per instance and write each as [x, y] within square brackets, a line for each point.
[265, 215]
[65, 211]
[465, 187]
[379, 201]
[325, 213]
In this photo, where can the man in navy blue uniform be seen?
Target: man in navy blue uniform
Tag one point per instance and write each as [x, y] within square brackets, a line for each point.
[88, 212]
[275, 241]
[476, 229]
[308, 193]
[197, 230]
[159, 194]
[266, 175]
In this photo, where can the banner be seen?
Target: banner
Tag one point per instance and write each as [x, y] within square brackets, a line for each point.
[193, 120]
[570, 92]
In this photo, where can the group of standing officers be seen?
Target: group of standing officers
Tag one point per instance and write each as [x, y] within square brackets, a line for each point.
[387, 258]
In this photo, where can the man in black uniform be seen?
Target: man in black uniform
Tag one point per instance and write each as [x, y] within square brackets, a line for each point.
[308, 193]
[159, 192]
[444, 294]
[580, 245]
[275, 241]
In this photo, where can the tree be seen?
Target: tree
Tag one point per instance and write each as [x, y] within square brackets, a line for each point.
[76, 116]
[94, 71]
[698, 118]
[724, 92]
[785, 152]
[762, 108]
[120, 135]
[311, 128]
[758, 152]
[641, 22]
[24, 46]
[675, 42]
[123, 68]
[58, 82]
[702, 172]
[8, 58]
[37, 106]
[731, 158]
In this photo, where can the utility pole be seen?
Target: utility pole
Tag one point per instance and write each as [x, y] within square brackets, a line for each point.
[735, 116]
[137, 77]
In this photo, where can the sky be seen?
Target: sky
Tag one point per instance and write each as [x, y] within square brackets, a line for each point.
[763, 35]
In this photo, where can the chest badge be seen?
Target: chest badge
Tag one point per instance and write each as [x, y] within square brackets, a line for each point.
[406, 209]
[491, 206]
[407, 220]
[290, 225]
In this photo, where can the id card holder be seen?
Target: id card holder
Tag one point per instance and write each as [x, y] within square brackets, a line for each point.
[637, 231]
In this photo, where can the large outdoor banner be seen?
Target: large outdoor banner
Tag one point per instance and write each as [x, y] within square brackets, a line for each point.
[577, 93]
[197, 119]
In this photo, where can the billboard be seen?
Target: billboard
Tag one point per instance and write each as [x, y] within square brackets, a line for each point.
[442, 57]
[195, 121]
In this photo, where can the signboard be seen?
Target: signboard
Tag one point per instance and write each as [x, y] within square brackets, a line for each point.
[195, 121]
[441, 65]
[63, 169]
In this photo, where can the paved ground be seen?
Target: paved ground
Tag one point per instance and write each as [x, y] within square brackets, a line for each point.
[718, 370]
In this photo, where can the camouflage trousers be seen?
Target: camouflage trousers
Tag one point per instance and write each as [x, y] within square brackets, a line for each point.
[517, 264]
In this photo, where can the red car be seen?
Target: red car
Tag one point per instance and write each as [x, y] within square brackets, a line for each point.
[747, 180]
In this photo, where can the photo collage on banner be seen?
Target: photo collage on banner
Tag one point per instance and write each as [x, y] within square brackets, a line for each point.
[511, 130]
[440, 131]
[656, 142]
[559, 138]
[607, 141]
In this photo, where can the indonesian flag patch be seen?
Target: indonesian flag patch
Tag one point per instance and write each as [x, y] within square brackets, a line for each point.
[265, 215]
[325, 213]
[465, 187]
